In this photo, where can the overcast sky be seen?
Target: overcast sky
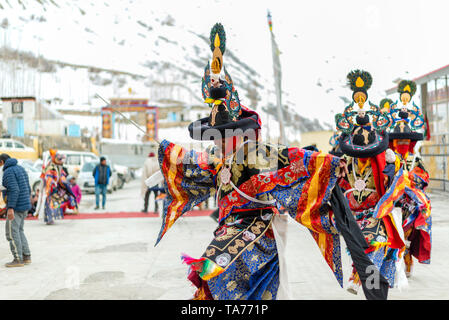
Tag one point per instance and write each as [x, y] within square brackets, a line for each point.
[321, 41]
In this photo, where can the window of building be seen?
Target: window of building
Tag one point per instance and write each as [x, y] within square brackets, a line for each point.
[17, 107]
[441, 92]
[431, 85]
[439, 118]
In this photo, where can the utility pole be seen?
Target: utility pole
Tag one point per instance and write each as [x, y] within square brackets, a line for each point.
[277, 80]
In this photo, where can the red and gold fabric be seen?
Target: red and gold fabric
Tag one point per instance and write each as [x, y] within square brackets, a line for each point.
[301, 181]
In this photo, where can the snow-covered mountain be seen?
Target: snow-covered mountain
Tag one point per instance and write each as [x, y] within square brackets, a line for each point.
[66, 51]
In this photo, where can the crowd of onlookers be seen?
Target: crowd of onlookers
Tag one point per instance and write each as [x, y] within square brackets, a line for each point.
[58, 192]
[34, 198]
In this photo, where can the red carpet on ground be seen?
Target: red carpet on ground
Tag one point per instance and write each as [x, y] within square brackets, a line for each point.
[112, 215]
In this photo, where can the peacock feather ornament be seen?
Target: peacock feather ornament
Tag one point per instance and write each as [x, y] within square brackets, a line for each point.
[360, 81]
[406, 89]
[409, 114]
[363, 129]
[217, 86]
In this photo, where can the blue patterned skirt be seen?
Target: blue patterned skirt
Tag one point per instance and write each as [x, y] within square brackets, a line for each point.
[254, 275]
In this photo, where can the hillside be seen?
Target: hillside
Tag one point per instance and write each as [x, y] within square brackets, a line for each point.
[114, 47]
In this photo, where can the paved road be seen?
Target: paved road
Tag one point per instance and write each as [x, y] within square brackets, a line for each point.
[127, 199]
[116, 259]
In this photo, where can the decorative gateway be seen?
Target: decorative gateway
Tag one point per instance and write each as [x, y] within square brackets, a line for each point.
[250, 180]
[412, 179]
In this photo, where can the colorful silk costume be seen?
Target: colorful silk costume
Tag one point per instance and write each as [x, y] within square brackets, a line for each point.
[406, 121]
[300, 180]
[57, 193]
[363, 143]
[251, 180]
[384, 243]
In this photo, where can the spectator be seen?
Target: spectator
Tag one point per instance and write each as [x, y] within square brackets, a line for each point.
[2, 201]
[17, 194]
[101, 173]
[75, 189]
[150, 167]
[34, 199]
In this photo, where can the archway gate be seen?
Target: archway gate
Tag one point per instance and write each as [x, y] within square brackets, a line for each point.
[139, 105]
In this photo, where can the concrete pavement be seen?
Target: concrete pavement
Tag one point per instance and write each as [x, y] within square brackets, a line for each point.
[116, 259]
[127, 199]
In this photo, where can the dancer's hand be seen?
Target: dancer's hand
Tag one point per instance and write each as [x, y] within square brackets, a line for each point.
[343, 169]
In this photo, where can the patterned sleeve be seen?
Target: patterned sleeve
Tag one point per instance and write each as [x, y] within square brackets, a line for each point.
[304, 196]
[302, 182]
[419, 174]
[306, 199]
[50, 181]
[189, 180]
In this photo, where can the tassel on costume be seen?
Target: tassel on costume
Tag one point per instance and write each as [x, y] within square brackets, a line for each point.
[205, 268]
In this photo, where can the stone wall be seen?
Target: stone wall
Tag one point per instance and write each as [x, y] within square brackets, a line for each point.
[44, 143]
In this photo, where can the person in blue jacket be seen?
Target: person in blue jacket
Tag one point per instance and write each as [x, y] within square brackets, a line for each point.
[101, 173]
[17, 194]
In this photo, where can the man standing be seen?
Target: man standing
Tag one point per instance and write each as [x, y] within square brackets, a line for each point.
[17, 194]
[150, 167]
[101, 173]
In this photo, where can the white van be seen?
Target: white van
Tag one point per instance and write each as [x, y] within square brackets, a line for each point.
[74, 160]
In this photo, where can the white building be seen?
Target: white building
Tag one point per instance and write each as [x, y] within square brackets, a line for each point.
[27, 116]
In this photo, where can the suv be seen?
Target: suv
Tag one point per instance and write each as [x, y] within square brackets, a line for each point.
[75, 160]
[17, 149]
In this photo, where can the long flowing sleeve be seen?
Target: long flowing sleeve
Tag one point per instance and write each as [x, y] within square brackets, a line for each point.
[306, 198]
[189, 180]
[408, 186]
[421, 218]
[299, 180]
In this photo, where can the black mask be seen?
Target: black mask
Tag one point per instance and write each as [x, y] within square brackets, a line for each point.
[362, 120]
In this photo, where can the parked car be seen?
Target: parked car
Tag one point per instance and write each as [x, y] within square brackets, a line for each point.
[34, 175]
[38, 164]
[17, 149]
[123, 174]
[86, 181]
[75, 160]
